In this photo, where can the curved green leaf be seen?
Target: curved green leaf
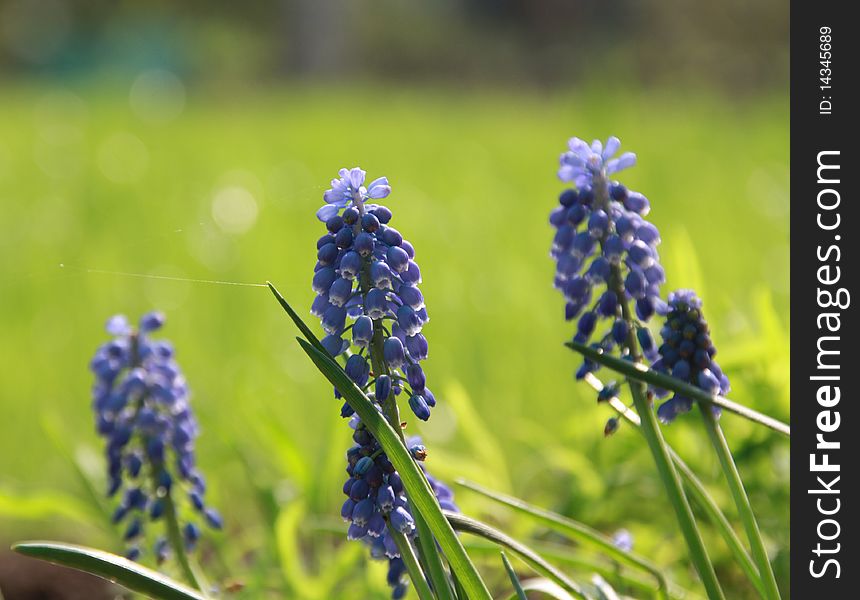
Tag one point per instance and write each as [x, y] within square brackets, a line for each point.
[642, 373]
[109, 566]
[526, 554]
[575, 529]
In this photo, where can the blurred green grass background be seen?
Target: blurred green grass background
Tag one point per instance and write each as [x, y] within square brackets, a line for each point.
[227, 190]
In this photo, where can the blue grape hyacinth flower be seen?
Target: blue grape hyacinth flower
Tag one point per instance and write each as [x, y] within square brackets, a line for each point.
[687, 353]
[366, 280]
[605, 251]
[376, 501]
[142, 410]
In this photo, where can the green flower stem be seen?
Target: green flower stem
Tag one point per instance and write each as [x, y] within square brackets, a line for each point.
[640, 372]
[426, 541]
[698, 492]
[575, 529]
[174, 536]
[659, 450]
[407, 553]
[742, 502]
[672, 483]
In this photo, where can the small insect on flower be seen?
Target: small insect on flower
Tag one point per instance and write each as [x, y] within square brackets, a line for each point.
[687, 353]
[605, 251]
[142, 410]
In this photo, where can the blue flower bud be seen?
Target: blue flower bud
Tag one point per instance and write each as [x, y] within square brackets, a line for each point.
[323, 279]
[585, 327]
[133, 530]
[357, 369]
[362, 512]
[383, 388]
[376, 525]
[583, 244]
[637, 203]
[356, 532]
[610, 427]
[334, 224]
[401, 520]
[392, 237]
[380, 275]
[347, 508]
[385, 498]
[362, 331]
[334, 344]
[382, 213]
[419, 406]
[646, 341]
[607, 306]
[359, 490]
[362, 466]
[568, 197]
[376, 304]
[415, 377]
[350, 265]
[213, 518]
[327, 254]
[133, 553]
[393, 352]
[408, 320]
[681, 370]
[397, 258]
[599, 270]
[598, 223]
[350, 215]
[369, 222]
[340, 291]
[151, 322]
[417, 347]
[364, 243]
[635, 284]
[344, 238]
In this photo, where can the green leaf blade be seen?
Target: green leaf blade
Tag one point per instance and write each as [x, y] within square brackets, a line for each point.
[641, 373]
[109, 566]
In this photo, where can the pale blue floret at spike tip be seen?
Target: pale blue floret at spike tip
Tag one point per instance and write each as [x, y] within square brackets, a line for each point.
[605, 251]
[141, 405]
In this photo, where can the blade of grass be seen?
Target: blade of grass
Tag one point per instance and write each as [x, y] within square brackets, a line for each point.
[742, 502]
[697, 491]
[529, 556]
[419, 491]
[114, 568]
[575, 529]
[641, 373]
[515, 581]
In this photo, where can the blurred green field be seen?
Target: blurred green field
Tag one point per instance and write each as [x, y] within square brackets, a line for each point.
[227, 190]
